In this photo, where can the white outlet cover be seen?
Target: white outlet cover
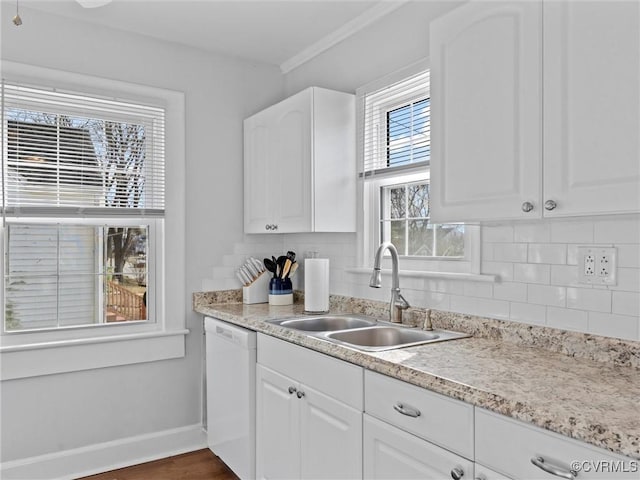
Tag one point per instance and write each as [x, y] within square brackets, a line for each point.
[606, 259]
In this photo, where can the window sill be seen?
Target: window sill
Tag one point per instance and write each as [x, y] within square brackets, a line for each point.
[473, 277]
[53, 357]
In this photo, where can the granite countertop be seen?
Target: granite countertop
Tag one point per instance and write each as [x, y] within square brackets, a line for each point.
[584, 398]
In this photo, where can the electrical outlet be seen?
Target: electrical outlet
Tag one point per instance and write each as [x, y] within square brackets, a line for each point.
[597, 265]
[589, 265]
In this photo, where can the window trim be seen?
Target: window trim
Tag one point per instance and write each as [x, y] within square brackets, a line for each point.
[369, 198]
[26, 354]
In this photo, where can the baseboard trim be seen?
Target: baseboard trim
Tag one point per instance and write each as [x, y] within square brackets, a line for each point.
[102, 457]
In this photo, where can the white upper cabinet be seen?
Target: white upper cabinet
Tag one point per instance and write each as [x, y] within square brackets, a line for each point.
[486, 110]
[495, 155]
[299, 165]
[592, 107]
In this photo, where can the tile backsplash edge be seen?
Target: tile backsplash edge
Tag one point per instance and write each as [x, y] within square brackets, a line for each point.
[625, 353]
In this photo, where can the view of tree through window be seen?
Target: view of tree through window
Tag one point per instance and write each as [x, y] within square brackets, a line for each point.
[405, 220]
[80, 274]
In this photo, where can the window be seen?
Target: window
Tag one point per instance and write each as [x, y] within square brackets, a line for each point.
[83, 205]
[395, 151]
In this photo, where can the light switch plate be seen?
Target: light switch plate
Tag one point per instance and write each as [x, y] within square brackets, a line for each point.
[597, 265]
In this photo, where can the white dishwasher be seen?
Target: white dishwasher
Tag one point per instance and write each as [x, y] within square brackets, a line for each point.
[231, 394]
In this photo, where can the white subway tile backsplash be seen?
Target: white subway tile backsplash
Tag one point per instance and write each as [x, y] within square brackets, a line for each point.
[439, 301]
[532, 232]
[480, 306]
[510, 252]
[609, 325]
[626, 303]
[478, 289]
[504, 270]
[628, 280]
[511, 291]
[572, 232]
[532, 273]
[528, 313]
[497, 233]
[547, 295]
[572, 254]
[589, 299]
[617, 230]
[535, 262]
[566, 275]
[547, 253]
[567, 319]
[629, 255]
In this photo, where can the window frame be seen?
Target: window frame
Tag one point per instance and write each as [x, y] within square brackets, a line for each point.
[369, 189]
[33, 353]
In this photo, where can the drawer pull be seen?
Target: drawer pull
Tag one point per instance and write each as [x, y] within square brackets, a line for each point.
[457, 473]
[554, 469]
[406, 410]
[292, 390]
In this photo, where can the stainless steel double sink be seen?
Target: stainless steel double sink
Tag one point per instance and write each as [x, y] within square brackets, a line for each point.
[364, 333]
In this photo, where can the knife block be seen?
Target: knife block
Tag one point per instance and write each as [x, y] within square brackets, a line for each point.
[258, 290]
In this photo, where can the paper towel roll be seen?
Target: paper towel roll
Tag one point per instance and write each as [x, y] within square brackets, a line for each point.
[316, 285]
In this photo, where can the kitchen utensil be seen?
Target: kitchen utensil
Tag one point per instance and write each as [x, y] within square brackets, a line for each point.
[286, 268]
[246, 279]
[271, 266]
[280, 262]
[293, 269]
[291, 256]
[241, 278]
[257, 263]
[251, 268]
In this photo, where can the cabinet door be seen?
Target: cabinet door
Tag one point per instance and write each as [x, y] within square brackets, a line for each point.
[292, 192]
[331, 438]
[486, 112]
[258, 173]
[391, 453]
[484, 473]
[277, 426]
[592, 107]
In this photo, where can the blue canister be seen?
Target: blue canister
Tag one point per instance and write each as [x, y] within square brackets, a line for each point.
[280, 291]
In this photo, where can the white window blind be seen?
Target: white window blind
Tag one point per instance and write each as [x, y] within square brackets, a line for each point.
[397, 127]
[68, 154]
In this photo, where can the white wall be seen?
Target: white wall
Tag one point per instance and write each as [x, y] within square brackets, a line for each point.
[536, 261]
[58, 412]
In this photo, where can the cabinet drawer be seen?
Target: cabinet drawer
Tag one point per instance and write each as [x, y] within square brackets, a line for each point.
[508, 445]
[390, 453]
[335, 378]
[442, 420]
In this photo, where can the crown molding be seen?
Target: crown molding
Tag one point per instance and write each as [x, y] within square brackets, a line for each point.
[348, 29]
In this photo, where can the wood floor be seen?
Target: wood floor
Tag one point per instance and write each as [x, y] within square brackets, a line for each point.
[198, 465]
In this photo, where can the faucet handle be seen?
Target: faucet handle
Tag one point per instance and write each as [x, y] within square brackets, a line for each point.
[401, 302]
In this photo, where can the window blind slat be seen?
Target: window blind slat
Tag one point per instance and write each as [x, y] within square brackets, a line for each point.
[67, 154]
[397, 133]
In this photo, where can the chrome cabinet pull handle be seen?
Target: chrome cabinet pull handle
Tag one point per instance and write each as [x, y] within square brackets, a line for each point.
[554, 469]
[527, 207]
[457, 473]
[292, 390]
[550, 205]
[406, 410]
[300, 394]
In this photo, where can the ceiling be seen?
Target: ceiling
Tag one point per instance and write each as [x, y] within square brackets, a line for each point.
[279, 32]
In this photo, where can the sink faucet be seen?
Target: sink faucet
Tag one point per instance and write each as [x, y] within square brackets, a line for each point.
[398, 303]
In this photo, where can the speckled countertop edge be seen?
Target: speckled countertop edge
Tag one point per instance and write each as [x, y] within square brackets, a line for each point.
[483, 370]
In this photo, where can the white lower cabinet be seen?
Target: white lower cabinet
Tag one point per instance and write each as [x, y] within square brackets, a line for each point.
[523, 451]
[483, 473]
[391, 453]
[309, 414]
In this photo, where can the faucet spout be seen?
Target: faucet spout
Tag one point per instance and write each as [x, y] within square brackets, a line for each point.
[398, 302]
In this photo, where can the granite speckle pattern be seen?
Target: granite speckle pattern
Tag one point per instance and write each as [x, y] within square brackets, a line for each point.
[593, 401]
